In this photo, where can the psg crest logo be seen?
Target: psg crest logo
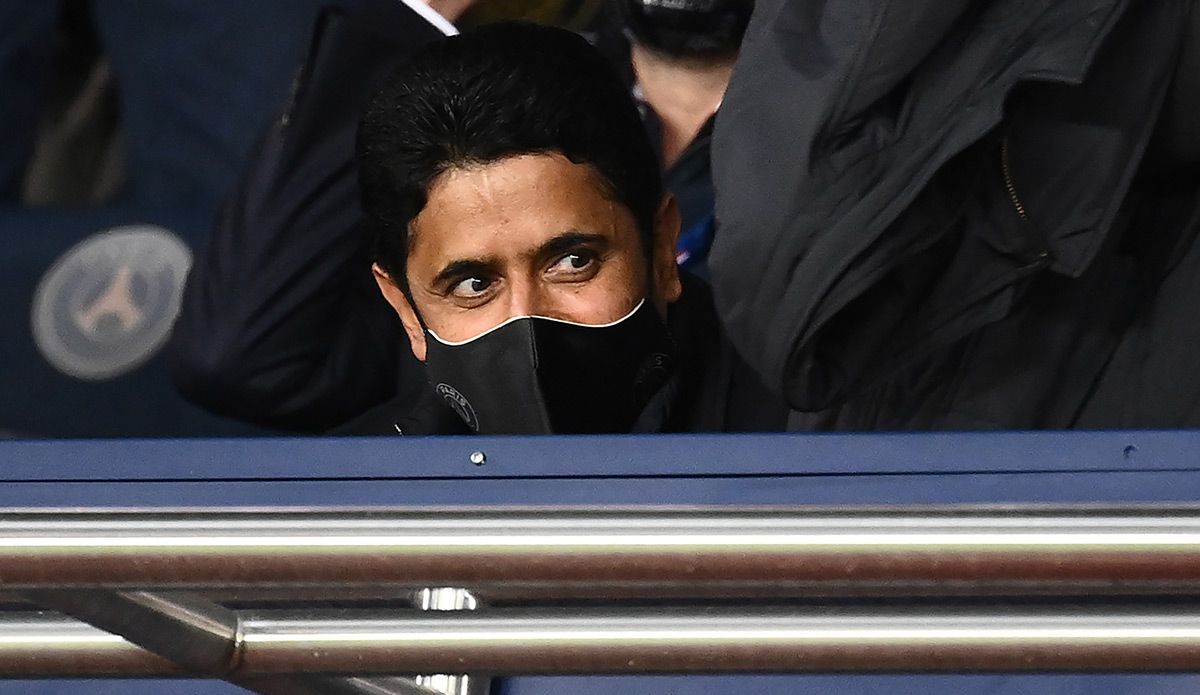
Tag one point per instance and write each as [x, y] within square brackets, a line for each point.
[107, 305]
[460, 404]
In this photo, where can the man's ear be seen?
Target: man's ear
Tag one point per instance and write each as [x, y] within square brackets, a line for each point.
[395, 296]
[667, 286]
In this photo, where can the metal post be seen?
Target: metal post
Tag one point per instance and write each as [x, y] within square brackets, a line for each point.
[451, 599]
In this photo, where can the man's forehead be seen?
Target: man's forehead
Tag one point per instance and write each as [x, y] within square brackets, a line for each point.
[512, 206]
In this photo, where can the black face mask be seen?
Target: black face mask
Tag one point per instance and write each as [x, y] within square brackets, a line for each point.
[687, 28]
[535, 375]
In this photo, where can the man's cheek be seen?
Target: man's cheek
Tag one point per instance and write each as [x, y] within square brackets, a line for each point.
[604, 300]
[464, 324]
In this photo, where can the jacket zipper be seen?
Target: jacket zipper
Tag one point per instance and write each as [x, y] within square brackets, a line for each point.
[1008, 182]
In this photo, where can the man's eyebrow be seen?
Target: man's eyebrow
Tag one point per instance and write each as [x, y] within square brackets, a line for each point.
[569, 241]
[467, 267]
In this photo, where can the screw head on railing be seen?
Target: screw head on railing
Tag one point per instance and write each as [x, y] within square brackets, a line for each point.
[478, 458]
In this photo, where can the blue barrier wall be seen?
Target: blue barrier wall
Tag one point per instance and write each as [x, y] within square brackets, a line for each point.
[1112, 467]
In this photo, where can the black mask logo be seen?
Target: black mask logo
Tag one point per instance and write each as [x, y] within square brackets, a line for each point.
[537, 375]
[459, 404]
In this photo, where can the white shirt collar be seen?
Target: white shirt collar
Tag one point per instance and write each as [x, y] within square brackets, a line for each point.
[431, 15]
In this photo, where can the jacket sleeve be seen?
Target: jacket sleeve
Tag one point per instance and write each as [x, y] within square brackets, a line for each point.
[281, 324]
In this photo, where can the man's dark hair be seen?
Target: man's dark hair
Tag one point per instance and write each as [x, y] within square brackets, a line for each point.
[502, 90]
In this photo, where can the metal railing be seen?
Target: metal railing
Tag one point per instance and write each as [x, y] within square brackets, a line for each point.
[652, 553]
[509, 642]
[767, 590]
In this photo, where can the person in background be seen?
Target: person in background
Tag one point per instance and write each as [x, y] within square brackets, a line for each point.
[949, 214]
[682, 54]
[281, 323]
[521, 233]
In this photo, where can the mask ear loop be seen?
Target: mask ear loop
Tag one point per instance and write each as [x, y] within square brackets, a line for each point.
[651, 285]
[413, 305]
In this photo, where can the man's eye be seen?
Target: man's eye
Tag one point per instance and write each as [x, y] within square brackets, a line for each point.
[471, 288]
[574, 263]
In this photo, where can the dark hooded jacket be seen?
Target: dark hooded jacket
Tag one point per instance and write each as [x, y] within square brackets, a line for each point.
[965, 214]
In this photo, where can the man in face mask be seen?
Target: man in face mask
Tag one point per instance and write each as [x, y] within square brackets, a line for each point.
[522, 235]
[280, 326]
